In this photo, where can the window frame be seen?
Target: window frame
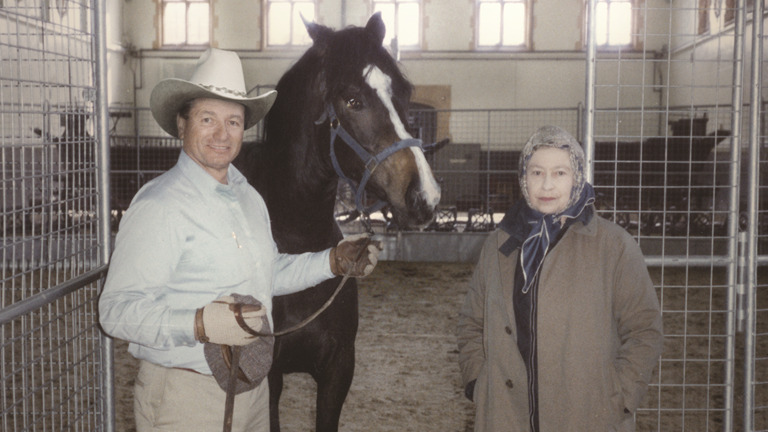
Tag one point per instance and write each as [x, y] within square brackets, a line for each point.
[184, 45]
[500, 47]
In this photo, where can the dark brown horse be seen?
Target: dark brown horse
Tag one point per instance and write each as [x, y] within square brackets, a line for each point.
[340, 113]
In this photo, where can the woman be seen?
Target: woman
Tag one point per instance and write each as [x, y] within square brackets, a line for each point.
[561, 327]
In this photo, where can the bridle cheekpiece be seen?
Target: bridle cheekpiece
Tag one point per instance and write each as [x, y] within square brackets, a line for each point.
[370, 161]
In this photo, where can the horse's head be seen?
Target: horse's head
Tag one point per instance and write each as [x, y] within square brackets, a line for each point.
[364, 97]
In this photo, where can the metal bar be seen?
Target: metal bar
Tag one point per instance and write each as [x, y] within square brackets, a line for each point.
[37, 301]
[750, 282]
[688, 261]
[741, 277]
[104, 210]
[589, 97]
[732, 271]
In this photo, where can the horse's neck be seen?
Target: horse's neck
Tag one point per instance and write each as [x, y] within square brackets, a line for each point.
[300, 194]
[300, 221]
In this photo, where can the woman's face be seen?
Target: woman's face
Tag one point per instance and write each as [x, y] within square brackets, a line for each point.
[549, 180]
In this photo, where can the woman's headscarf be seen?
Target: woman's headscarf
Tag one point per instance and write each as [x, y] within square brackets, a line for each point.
[546, 228]
[553, 136]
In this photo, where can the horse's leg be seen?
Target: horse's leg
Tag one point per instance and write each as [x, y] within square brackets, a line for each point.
[333, 383]
[275, 390]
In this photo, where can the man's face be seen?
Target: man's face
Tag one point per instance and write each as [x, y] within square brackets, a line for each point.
[213, 134]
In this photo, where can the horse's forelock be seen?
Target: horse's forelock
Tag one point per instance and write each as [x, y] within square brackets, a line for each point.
[349, 57]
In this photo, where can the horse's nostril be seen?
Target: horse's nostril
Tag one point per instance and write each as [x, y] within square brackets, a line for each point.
[420, 211]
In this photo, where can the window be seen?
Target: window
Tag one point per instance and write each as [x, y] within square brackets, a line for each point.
[403, 21]
[613, 23]
[730, 12]
[186, 22]
[285, 26]
[703, 17]
[731, 7]
[502, 23]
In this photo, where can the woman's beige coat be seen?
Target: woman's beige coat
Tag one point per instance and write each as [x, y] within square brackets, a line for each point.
[599, 334]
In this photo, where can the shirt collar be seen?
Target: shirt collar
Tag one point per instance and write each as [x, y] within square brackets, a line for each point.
[205, 182]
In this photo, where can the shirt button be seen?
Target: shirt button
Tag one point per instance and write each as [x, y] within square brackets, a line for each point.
[508, 329]
[510, 384]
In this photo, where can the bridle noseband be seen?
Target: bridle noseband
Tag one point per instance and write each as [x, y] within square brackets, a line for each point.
[371, 162]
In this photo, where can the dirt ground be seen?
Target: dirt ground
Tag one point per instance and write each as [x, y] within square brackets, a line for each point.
[406, 375]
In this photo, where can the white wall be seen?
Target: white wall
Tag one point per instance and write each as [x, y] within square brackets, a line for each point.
[552, 74]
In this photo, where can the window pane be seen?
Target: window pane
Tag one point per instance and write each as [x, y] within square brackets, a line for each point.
[278, 24]
[174, 23]
[621, 23]
[601, 23]
[489, 26]
[514, 24]
[408, 24]
[388, 16]
[198, 24]
[307, 10]
[614, 23]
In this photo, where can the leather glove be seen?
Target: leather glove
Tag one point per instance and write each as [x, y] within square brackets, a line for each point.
[356, 254]
[216, 322]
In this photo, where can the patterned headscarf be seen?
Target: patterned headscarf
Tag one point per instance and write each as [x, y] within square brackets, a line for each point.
[553, 136]
[545, 228]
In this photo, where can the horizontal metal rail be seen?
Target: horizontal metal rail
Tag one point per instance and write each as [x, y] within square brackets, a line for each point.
[23, 307]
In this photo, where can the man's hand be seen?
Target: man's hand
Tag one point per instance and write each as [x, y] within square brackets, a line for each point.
[216, 322]
[356, 254]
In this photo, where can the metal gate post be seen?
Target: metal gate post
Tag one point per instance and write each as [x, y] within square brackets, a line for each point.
[589, 97]
[752, 212]
[105, 230]
[735, 243]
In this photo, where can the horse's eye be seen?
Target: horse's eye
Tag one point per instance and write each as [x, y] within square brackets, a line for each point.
[354, 103]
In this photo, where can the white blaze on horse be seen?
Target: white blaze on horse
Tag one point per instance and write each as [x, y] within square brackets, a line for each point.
[382, 84]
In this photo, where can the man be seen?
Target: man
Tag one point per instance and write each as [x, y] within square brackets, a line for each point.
[196, 242]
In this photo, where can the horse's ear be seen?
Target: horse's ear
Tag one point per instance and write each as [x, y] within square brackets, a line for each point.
[316, 31]
[376, 27]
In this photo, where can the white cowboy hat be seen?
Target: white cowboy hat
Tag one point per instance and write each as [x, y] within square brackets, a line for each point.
[218, 75]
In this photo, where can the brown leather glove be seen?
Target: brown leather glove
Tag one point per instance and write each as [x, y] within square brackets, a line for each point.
[216, 322]
[356, 254]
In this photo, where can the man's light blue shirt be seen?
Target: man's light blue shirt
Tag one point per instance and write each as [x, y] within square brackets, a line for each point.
[185, 241]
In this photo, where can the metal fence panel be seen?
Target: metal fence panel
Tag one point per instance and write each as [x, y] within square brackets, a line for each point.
[668, 171]
[753, 282]
[51, 350]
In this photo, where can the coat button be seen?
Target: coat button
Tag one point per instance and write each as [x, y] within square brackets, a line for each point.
[509, 383]
[508, 329]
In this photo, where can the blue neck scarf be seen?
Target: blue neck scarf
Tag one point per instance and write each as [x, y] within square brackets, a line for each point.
[545, 228]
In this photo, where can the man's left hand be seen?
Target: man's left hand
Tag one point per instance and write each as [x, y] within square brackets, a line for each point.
[356, 255]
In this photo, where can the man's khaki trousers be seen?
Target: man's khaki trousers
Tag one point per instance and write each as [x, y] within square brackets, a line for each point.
[169, 399]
